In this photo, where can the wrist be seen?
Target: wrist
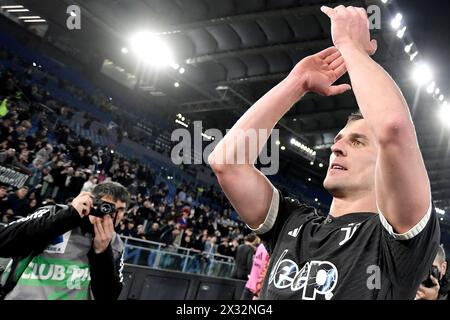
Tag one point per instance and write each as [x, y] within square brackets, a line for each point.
[349, 48]
[296, 85]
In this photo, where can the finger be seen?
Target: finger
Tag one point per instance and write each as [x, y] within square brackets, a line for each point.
[328, 11]
[340, 71]
[335, 90]
[88, 201]
[96, 230]
[332, 57]
[100, 227]
[327, 52]
[336, 63]
[374, 44]
[363, 13]
[340, 9]
[434, 280]
[108, 224]
[353, 11]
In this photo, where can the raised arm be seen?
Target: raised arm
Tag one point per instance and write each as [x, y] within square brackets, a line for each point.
[402, 186]
[248, 190]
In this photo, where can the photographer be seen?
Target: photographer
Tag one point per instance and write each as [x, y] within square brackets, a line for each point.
[435, 286]
[67, 252]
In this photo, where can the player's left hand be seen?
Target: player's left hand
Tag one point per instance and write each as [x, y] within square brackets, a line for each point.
[350, 27]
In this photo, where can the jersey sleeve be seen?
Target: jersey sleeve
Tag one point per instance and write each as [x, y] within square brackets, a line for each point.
[281, 208]
[409, 256]
[36, 231]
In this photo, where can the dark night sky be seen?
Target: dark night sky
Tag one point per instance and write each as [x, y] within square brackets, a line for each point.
[429, 25]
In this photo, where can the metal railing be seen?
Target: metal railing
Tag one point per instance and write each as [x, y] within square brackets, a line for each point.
[160, 256]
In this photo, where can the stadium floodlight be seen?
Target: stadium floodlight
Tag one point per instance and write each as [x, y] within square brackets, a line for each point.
[124, 50]
[401, 32]
[385, 1]
[422, 74]
[437, 91]
[176, 84]
[18, 10]
[277, 142]
[181, 70]
[34, 20]
[430, 88]
[441, 98]
[397, 21]
[12, 7]
[408, 47]
[283, 148]
[413, 56]
[29, 17]
[151, 49]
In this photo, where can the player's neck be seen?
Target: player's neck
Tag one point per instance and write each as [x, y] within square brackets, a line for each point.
[347, 205]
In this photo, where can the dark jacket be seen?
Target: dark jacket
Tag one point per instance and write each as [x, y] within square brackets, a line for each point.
[244, 261]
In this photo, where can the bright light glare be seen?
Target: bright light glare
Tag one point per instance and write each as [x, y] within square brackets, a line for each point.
[34, 20]
[422, 74]
[431, 86]
[401, 32]
[12, 7]
[444, 115]
[408, 47]
[397, 21]
[151, 49]
[124, 50]
[29, 17]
